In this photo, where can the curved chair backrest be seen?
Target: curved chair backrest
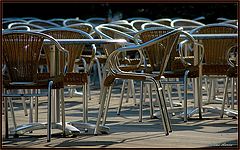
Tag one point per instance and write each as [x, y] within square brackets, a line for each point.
[75, 50]
[27, 28]
[29, 18]
[44, 23]
[215, 50]
[111, 33]
[152, 24]
[86, 27]
[155, 53]
[58, 21]
[187, 24]
[71, 21]
[123, 23]
[137, 18]
[164, 21]
[199, 18]
[233, 22]
[31, 26]
[137, 24]
[6, 23]
[21, 53]
[120, 28]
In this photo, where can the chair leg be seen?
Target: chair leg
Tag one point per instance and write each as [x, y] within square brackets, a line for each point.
[49, 122]
[170, 98]
[151, 102]
[224, 97]
[63, 111]
[12, 113]
[85, 104]
[36, 107]
[232, 93]
[121, 98]
[199, 84]
[179, 91]
[209, 89]
[101, 107]
[6, 116]
[162, 107]
[185, 96]
[24, 104]
[141, 102]
[133, 93]
[88, 88]
[107, 105]
[128, 91]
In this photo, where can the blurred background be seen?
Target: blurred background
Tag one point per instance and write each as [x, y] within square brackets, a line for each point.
[116, 11]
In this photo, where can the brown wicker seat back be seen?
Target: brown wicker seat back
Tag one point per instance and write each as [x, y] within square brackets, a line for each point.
[215, 50]
[75, 50]
[21, 54]
[157, 53]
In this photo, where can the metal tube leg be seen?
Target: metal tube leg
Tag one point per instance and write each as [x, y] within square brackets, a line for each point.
[36, 108]
[24, 104]
[162, 96]
[185, 96]
[170, 98]
[12, 113]
[85, 103]
[209, 89]
[128, 91]
[133, 93]
[6, 116]
[49, 111]
[161, 107]
[179, 91]
[141, 102]
[101, 107]
[199, 84]
[31, 110]
[63, 111]
[99, 72]
[88, 88]
[232, 93]
[151, 101]
[224, 97]
[107, 105]
[121, 97]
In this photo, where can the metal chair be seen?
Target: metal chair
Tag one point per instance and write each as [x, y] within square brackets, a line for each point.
[231, 74]
[21, 53]
[180, 64]
[105, 31]
[168, 41]
[73, 77]
[215, 63]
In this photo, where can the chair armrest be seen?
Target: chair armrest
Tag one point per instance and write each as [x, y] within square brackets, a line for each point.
[113, 63]
[193, 43]
[229, 58]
